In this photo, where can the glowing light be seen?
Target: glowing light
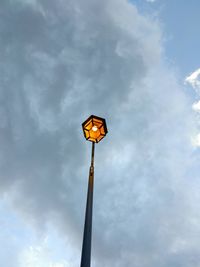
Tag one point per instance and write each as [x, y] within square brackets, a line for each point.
[94, 128]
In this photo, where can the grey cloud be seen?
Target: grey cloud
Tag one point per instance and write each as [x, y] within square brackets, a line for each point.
[62, 61]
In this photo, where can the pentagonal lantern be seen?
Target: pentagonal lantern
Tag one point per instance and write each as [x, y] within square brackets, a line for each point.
[94, 128]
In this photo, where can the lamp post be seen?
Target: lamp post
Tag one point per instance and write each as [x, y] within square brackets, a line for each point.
[94, 129]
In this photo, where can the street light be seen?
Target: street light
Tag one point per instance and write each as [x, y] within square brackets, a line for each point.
[94, 129]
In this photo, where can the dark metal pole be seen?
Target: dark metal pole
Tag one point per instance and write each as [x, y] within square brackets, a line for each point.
[87, 236]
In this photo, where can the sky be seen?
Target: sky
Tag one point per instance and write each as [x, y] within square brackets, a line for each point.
[134, 63]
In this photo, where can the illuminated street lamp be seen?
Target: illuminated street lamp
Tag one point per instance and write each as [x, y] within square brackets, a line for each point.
[94, 129]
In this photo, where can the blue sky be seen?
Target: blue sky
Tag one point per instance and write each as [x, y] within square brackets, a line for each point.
[180, 20]
[135, 64]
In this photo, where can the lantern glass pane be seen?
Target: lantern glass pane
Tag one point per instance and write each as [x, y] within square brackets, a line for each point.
[92, 139]
[94, 134]
[98, 123]
[89, 125]
[102, 130]
[87, 135]
[100, 137]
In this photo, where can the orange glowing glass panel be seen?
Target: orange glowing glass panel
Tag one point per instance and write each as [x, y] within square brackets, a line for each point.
[94, 128]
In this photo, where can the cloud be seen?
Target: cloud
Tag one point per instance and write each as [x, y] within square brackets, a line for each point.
[194, 80]
[196, 106]
[196, 140]
[60, 62]
[40, 256]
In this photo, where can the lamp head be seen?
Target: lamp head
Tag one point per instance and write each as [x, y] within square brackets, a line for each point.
[94, 128]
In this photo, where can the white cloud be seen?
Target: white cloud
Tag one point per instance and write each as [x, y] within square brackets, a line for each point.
[194, 80]
[196, 106]
[41, 257]
[196, 140]
[48, 250]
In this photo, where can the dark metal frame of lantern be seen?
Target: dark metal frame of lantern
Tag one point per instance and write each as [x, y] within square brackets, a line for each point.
[95, 130]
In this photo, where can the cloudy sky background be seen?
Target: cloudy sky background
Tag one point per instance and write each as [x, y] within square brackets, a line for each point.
[134, 63]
